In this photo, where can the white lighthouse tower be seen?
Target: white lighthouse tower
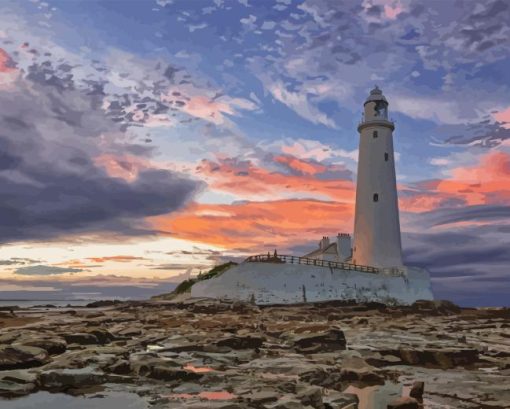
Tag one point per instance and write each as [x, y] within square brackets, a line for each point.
[376, 221]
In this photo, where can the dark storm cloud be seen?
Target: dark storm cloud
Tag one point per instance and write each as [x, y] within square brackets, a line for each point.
[51, 135]
[460, 259]
[42, 270]
[486, 133]
[464, 214]
[17, 261]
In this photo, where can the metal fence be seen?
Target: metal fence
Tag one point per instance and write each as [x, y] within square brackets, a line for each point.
[267, 258]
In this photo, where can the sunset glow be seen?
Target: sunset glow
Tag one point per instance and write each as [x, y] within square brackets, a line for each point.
[171, 136]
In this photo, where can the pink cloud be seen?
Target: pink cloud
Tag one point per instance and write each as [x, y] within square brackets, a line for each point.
[392, 12]
[503, 116]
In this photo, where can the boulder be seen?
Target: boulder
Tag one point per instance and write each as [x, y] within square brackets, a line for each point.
[103, 303]
[356, 369]
[64, 379]
[311, 396]
[17, 383]
[21, 356]
[261, 397]
[241, 342]
[9, 389]
[103, 336]
[417, 391]
[445, 358]
[121, 367]
[331, 340]
[169, 373]
[81, 338]
[53, 346]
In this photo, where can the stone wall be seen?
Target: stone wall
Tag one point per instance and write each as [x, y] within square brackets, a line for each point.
[275, 283]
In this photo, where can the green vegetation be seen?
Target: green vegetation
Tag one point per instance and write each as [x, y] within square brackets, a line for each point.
[186, 285]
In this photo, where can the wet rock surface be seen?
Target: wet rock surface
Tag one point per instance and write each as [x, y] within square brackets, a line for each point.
[219, 354]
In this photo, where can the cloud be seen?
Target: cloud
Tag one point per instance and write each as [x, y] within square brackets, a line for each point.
[463, 261]
[485, 183]
[51, 135]
[258, 226]
[279, 176]
[301, 104]
[17, 261]
[118, 259]
[41, 270]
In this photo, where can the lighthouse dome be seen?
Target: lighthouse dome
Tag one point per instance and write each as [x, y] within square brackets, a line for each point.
[376, 95]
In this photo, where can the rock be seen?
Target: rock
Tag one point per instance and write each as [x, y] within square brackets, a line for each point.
[17, 383]
[285, 402]
[378, 359]
[168, 373]
[331, 340]
[417, 390]
[10, 389]
[404, 403]
[81, 338]
[9, 337]
[130, 332]
[339, 400]
[362, 375]
[311, 396]
[65, 379]
[53, 346]
[121, 367]
[21, 356]
[240, 307]
[98, 356]
[261, 397]
[103, 336]
[241, 342]
[208, 306]
[356, 369]
[435, 307]
[103, 303]
[445, 358]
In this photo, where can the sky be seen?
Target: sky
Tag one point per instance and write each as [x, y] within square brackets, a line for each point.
[144, 141]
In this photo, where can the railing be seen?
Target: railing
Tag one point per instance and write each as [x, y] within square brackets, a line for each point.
[267, 258]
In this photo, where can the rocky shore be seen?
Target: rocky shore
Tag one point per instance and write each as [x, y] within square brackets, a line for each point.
[203, 353]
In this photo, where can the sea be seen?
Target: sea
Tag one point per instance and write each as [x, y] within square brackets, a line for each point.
[33, 303]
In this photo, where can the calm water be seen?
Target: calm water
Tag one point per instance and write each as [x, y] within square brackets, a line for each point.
[56, 303]
[45, 400]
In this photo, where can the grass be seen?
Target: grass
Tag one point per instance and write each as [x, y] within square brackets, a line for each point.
[185, 286]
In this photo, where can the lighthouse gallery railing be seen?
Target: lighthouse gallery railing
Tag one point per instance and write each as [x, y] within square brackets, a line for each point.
[267, 258]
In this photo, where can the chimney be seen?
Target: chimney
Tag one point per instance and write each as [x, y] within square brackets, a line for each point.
[343, 246]
[324, 242]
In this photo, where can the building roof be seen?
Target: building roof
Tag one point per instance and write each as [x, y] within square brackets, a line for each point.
[330, 249]
[376, 95]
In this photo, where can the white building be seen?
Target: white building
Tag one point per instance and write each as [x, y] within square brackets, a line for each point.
[376, 221]
[339, 250]
[371, 270]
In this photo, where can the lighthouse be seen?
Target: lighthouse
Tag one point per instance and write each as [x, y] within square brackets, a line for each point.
[376, 222]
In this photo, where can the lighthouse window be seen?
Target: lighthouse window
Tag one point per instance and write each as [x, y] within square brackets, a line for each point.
[376, 197]
[386, 156]
[375, 134]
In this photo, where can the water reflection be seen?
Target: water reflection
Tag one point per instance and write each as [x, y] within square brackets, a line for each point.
[197, 369]
[377, 396]
[46, 400]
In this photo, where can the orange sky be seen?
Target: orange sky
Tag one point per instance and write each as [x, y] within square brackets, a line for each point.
[260, 225]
